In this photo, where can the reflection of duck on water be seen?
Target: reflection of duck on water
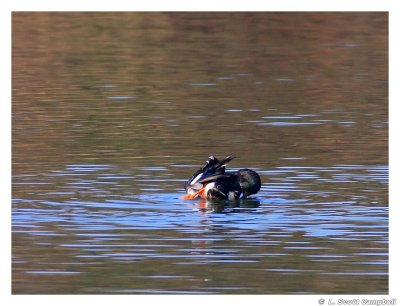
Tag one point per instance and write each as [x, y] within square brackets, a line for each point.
[212, 182]
[206, 205]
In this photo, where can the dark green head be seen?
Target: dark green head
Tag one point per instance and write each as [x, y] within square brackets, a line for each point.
[250, 182]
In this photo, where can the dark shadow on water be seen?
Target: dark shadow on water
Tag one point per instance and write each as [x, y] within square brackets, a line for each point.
[224, 206]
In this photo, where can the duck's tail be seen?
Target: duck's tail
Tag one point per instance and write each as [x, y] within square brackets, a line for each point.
[213, 166]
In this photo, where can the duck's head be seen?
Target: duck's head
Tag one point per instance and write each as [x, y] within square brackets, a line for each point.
[250, 182]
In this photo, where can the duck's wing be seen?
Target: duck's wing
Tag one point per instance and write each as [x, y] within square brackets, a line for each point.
[225, 186]
[213, 166]
[214, 178]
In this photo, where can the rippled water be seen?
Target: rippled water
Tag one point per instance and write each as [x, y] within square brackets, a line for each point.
[113, 112]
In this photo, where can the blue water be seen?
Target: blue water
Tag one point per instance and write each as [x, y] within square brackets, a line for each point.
[327, 216]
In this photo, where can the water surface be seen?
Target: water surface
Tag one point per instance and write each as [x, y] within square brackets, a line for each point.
[112, 112]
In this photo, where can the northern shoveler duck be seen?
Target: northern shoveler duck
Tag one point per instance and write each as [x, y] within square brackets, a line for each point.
[213, 182]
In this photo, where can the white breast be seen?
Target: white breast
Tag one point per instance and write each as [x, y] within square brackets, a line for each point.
[208, 187]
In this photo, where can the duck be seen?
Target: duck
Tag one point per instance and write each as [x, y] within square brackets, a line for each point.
[213, 182]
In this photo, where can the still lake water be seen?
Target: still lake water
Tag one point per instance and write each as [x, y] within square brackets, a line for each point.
[112, 112]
